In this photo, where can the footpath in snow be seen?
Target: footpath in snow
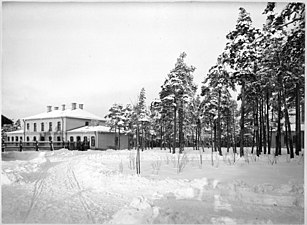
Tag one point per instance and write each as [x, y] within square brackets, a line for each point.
[102, 187]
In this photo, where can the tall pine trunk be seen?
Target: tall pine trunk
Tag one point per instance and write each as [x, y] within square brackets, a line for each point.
[257, 129]
[219, 124]
[268, 121]
[260, 126]
[234, 133]
[287, 126]
[264, 126]
[175, 130]
[181, 137]
[215, 149]
[297, 121]
[278, 141]
[242, 120]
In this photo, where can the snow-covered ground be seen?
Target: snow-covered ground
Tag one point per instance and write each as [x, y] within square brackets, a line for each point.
[102, 187]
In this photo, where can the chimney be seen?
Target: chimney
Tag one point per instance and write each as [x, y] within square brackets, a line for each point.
[49, 108]
[63, 107]
[56, 108]
[73, 106]
[80, 106]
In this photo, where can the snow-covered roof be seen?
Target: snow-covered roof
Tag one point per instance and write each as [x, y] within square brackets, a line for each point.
[85, 129]
[76, 113]
[15, 132]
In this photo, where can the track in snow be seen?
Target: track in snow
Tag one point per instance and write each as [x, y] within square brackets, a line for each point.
[57, 196]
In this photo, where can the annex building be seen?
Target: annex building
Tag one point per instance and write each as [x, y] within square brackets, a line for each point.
[71, 125]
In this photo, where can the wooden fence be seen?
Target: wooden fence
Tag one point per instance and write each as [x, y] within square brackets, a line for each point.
[44, 145]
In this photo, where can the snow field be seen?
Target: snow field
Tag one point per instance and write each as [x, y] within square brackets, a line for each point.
[102, 187]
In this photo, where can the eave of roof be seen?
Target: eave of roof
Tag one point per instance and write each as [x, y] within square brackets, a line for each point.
[68, 113]
[87, 129]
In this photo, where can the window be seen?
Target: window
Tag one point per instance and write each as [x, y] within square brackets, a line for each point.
[92, 141]
[16, 138]
[34, 138]
[59, 126]
[71, 139]
[28, 126]
[28, 139]
[34, 127]
[58, 138]
[50, 126]
[21, 138]
[78, 138]
[86, 123]
[42, 127]
[8, 138]
[12, 139]
[42, 138]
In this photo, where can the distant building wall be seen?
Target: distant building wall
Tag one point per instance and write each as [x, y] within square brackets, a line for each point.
[107, 141]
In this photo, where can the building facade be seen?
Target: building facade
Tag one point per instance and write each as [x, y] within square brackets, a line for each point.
[66, 125]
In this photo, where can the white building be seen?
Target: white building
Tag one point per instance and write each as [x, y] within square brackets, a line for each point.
[74, 125]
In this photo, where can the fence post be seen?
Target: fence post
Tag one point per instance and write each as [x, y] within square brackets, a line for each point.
[51, 145]
[36, 145]
[20, 145]
[3, 146]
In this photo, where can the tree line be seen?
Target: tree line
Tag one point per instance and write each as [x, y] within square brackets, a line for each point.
[266, 66]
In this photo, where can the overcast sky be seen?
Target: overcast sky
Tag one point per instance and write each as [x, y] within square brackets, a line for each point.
[104, 53]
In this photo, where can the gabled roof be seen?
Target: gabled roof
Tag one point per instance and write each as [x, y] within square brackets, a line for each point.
[76, 113]
[85, 129]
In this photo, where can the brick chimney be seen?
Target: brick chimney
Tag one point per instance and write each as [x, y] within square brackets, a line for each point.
[56, 108]
[80, 106]
[49, 108]
[73, 106]
[63, 107]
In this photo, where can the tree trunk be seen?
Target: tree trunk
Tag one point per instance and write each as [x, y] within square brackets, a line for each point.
[215, 149]
[180, 117]
[196, 138]
[260, 126]
[297, 121]
[219, 124]
[138, 167]
[161, 135]
[142, 141]
[234, 133]
[212, 148]
[227, 133]
[193, 145]
[278, 141]
[287, 140]
[118, 138]
[268, 121]
[287, 126]
[263, 125]
[242, 121]
[257, 130]
[175, 131]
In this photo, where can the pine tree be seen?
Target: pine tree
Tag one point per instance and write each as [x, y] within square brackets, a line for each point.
[240, 55]
[177, 91]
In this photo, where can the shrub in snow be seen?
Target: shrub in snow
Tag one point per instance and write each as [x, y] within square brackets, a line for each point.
[167, 160]
[156, 166]
[182, 162]
[131, 161]
[121, 167]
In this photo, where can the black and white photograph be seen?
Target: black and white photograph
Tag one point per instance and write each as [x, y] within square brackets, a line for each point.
[140, 112]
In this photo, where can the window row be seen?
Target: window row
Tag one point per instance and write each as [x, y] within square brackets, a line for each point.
[16, 139]
[42, 127]
[58, 138]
